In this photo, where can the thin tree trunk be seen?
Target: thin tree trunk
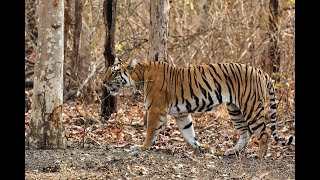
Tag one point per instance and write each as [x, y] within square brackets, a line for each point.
[67, 23]
[67, 27]
[158, 30]
[274, 51]
[109, 102]
[46, 128]
[76, 63]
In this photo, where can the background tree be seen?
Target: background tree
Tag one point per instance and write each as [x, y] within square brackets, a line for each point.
[109, 102]
[76, 63]
[273, 66]
[46, 129]
[158, 30]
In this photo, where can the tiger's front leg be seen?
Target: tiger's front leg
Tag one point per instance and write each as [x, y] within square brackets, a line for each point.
[156, 118]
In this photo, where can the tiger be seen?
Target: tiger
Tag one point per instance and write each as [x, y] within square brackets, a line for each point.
[181, 91]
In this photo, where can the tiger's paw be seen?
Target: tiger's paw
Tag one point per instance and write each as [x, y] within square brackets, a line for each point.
[230, 152]
[138, 148]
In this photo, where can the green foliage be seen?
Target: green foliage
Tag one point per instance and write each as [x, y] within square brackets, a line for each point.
[119, 47]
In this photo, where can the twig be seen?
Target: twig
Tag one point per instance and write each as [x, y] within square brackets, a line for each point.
[27, 74]
[136, 125]
[92, 73]
[206, 128]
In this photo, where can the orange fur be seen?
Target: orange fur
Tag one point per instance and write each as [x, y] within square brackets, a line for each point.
[182, 91]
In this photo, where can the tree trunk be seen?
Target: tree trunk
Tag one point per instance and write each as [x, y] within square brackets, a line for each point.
[274, 52]
[76, 63]
[67, 24]
[158, 30]
[46, 126]
[109, 102]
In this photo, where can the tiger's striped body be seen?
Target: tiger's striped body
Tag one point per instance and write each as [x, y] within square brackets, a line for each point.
[182, 91]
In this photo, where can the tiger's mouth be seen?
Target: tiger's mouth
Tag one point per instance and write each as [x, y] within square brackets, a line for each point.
[114, 92]
[112, 88]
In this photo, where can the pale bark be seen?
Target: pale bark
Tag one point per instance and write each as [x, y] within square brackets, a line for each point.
[46, 126]
[158, 30]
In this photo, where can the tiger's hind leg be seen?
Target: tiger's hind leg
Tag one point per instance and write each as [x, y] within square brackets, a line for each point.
[258, 126]
[186, 128]
[242, 127]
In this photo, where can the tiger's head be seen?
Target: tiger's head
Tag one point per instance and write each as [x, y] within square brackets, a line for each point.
[118, 76]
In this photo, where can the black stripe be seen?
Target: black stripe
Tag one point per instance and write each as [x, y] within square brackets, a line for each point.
[258, 114]
[256, 127]
[252, 108]
[253, 121]
[176, 105]
[290, 140]
[150, 104]
[226, 76]
[188, 125]
[229, 76]
[204, 92]
[188, 106]
[205, 79]
[195, 76]
[239, 83]
[203, 105]
[241, 127]
[262, 134]
[248, 97]
[125, 81]
[238, 80]
[191, 90]
[216, 84]
[234, 112]
[209, 108]
[215, 71]
[164, 76]
[210, 100]
[239, 122]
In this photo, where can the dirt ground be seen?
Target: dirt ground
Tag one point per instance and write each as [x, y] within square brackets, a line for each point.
[101, 149]
[120, 163]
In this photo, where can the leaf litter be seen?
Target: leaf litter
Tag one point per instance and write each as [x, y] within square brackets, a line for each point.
[100, 149]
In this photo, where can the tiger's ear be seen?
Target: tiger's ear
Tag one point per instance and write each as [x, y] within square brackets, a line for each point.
[132, 65]
[117, 60]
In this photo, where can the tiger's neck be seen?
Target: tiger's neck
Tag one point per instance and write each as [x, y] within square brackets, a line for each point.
[147, 71]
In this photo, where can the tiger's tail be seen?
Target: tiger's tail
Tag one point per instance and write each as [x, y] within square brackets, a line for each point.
[273, 112]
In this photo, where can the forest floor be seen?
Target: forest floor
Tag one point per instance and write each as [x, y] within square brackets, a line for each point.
[98, 149]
